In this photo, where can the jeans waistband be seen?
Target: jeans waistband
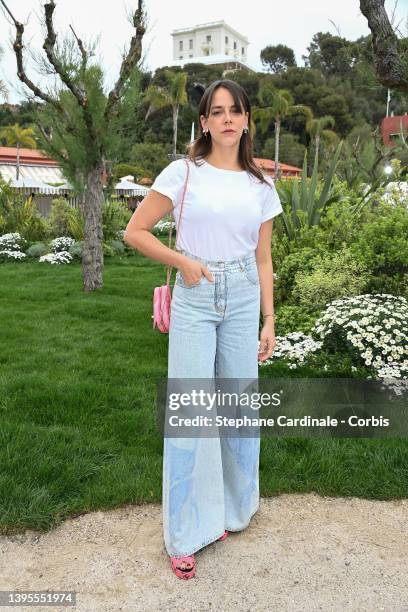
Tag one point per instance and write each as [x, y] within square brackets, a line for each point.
[232, 264]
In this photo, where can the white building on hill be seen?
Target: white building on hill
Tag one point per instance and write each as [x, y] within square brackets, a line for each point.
[210, 43]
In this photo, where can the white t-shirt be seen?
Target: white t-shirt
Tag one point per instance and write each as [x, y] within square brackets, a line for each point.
[222, 211]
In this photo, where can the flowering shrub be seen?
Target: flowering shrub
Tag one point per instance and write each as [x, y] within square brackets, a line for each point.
[294, 347]
[162, 227]
[61, 244]
[10, 247]
[376, 326]
[61, 257]
[16, 255]
[11, 242]
[372, 328]
[396, 193]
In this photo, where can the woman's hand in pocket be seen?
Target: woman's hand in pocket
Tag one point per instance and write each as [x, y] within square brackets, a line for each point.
[193, 270]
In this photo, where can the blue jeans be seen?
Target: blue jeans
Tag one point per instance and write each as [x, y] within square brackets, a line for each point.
[212, 484]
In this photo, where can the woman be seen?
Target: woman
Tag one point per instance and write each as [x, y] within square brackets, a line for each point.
[224, 277]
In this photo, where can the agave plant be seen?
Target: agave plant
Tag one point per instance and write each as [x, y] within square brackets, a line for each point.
[305, 205]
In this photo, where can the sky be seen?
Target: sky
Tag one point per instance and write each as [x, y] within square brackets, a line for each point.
[263, 22]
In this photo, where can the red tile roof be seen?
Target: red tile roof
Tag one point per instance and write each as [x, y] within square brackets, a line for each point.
[33, 157]
[269, 164]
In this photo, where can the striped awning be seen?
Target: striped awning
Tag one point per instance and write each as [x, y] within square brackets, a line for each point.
[129, 188]
[36, 174]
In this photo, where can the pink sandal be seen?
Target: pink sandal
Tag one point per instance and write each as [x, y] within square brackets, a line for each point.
[183, 572]
[188, 572]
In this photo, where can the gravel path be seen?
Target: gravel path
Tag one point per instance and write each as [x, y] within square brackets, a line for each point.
[300, 552]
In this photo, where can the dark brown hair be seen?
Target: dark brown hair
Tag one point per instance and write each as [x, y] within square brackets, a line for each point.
[201, 146]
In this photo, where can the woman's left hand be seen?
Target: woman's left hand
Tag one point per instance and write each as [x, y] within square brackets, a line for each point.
[267, 342]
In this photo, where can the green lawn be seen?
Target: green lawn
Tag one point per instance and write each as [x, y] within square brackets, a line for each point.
[78, 377]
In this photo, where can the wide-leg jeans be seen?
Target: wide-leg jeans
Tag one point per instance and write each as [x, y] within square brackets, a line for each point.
[211, 484]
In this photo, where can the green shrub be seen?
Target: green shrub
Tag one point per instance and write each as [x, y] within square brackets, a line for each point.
[65, 220]
[59, 218]
[20, 214]
[108, 251]
[334, 276]
[37, 249]
[382, 245]
[376, 240]
[115, 217]
[293, 319]
[122, 169]
[76, 250]
[33, 227]
[76, 224]
[301, 260]
[117, 246]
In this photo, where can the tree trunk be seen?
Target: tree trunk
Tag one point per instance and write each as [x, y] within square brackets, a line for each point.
[18, 161]
[175, 121]
[91, 208]
[390, 61]
[277, 131]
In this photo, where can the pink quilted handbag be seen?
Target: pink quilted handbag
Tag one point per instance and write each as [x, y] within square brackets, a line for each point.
[162, 294]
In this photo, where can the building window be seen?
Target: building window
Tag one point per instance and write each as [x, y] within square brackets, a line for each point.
[180, 57]
[226, 51]
[235, 44]
[180, 45]
[190, 55]
[242, 50]
[207, 52]
[226, 40]
[191, 43]
[208, 37]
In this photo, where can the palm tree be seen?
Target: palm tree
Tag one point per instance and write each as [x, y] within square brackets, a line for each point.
[276, 105]
[315, 127]
[174, 95]
[17, 136]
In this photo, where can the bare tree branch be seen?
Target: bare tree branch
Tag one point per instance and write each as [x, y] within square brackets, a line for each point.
[336, 27]
[391, 65]
[355, 149]
[49, 48]
[18, 49]
[39, 93]
[81, 48]
[129, 62]
[56, 153]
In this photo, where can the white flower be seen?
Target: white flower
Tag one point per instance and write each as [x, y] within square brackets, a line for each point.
[11, 242]
[61, 244]
[61, 257]
[13, 254]
[365, 319]
[294, 347]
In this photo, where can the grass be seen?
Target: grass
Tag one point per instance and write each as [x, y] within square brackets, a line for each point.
[78, 376]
